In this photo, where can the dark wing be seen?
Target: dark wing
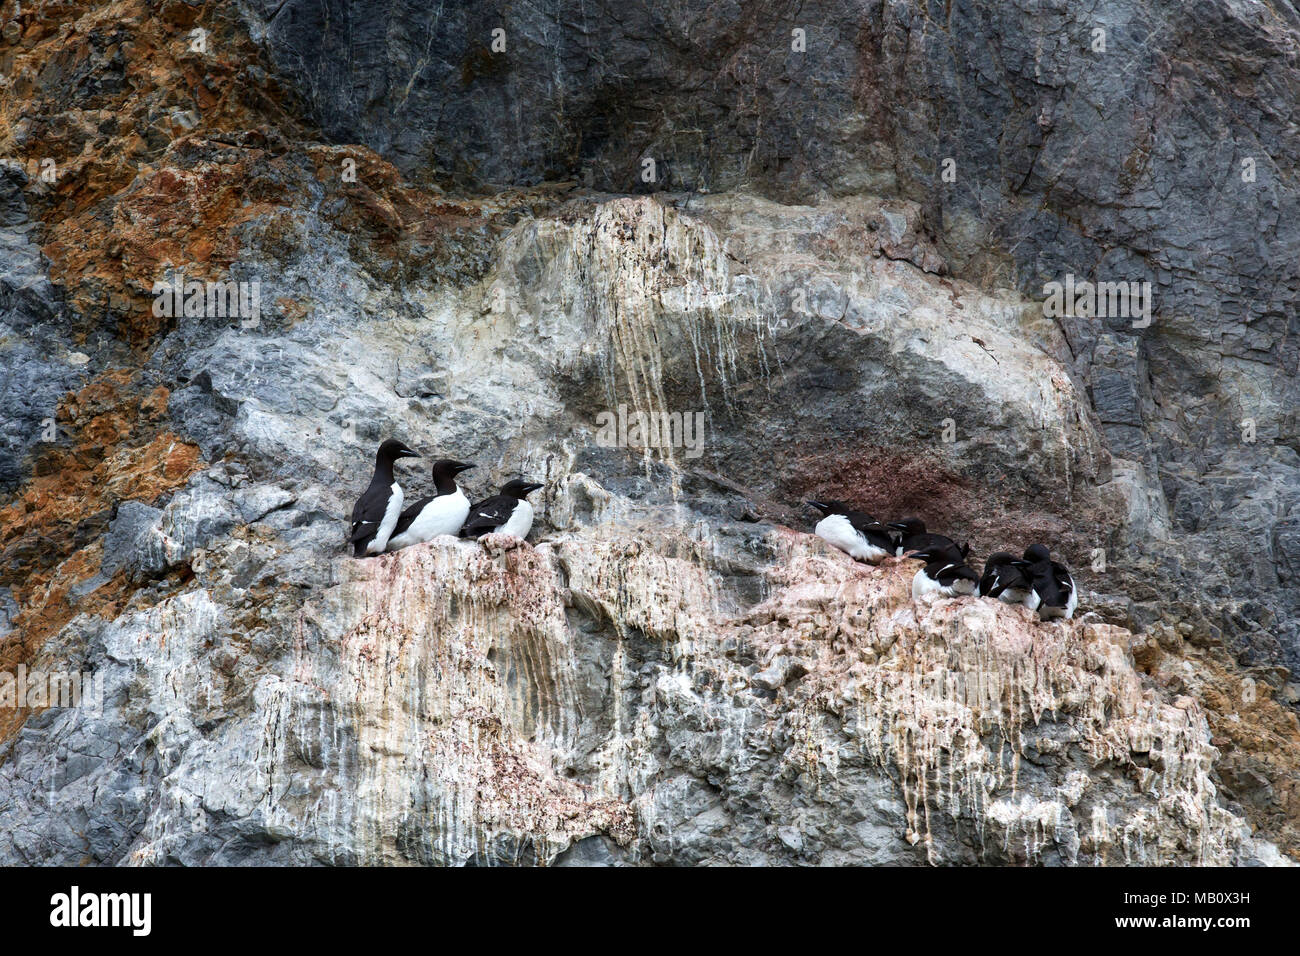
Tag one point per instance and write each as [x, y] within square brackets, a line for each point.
[367, 512]
[939, 547]
[488, 515]
[949, 573]
[999, 577]
[994, 581]
[409, 514]
[861, 521]
[930, 541]
[871, 529]
[880, 536]
[1046, 586]
[1063, 579]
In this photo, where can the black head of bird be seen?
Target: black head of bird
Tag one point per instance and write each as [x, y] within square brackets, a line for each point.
[939, 553]
[444, 475]
[830, 507]
[392, 449]
[446, 469]
[908, 525]
[519, 488]
[1036, 553]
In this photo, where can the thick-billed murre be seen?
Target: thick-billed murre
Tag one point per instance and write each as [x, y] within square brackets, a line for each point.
[376, 512]
[858, 534]
[443, 513]
[1006, 578]
[910, 535]
[945, 572]
[1052, 593]
[506, 513]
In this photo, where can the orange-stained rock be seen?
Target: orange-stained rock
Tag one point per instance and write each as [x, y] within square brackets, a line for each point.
[49, 535]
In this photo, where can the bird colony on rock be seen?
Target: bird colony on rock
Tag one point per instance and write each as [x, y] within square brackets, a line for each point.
[380, 523]
[1034, 580]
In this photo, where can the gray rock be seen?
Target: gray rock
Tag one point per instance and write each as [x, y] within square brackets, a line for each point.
[8, 610]
[149, 541]
[133, 540]
[1053, 175]
[13, 206]
[34, 373]
[672, 672]
[260, 713]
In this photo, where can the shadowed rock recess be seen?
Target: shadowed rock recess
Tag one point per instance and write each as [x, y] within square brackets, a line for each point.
[454, 244]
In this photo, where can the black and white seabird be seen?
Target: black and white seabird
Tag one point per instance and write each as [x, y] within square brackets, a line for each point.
[1006, 578]
[506, 513]
[945, 573]
[854, 532]
[910, 535]
[428, 518]
[376, 512]
[1053, 593]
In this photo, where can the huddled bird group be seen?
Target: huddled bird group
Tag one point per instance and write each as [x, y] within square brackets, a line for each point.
[1034, 580]
[380, 522]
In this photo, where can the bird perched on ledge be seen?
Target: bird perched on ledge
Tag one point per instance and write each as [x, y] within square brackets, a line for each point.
[945, 572]
[910, 535]
[858, 534]
[1006, 578]
[377, 511]
[443, 513]
[506, 513]
[1052, 592]
[1036, 581]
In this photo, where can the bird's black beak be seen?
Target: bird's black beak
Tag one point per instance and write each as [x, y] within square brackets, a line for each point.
[461, 466]
[533, 486]
[816, 504]
[407, 453]
[896, 526]
[925, 556]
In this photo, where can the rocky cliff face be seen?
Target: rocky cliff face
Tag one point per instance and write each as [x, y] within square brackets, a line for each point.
[454, 244]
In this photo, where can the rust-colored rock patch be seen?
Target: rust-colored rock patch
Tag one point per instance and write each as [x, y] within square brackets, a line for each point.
[50, 534]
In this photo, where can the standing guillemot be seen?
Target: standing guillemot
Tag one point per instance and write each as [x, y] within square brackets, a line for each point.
[376, 512]
[506, 513]
[1052, 593]
[858, 534]
[444, 513]
[910, 535]
[945, 573]
[1006, 578]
